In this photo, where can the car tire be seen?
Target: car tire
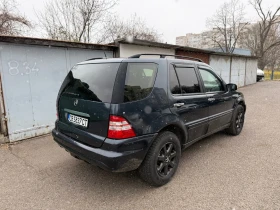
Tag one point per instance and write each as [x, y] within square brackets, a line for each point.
[162, 159]
[237, 122]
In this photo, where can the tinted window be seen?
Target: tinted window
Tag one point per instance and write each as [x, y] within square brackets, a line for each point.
[139, 81]
[188, 80]
[173, 82]
[92, 81]
[211, 82]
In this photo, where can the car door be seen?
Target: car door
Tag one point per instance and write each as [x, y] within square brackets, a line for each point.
[187, 100]
[220, 100]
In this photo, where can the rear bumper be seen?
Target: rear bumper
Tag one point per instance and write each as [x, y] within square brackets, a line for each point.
[260, 76]
[114, 155]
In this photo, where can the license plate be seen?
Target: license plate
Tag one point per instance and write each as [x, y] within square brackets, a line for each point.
[78, 120]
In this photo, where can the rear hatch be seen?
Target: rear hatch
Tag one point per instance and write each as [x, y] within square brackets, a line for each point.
[84, 102]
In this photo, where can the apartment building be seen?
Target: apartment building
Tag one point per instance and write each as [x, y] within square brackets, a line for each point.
[202, 40]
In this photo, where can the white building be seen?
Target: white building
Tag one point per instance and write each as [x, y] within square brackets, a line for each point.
[202, 40]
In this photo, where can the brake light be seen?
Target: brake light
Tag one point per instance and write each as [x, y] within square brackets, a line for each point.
[119, 128]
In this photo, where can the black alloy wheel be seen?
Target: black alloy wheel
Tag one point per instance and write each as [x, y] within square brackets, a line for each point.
[239, 120]
[162, 159]
[237, 123]
[166, 159]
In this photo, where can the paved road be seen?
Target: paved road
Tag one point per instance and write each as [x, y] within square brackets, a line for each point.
[220, 172]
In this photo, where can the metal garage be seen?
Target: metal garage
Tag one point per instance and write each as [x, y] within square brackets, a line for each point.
[238, 69]
[127, 49]
[32, 71]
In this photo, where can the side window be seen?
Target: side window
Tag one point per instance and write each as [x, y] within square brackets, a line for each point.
[173, 82]
[139, 81]
[188, 80]
[211, 82]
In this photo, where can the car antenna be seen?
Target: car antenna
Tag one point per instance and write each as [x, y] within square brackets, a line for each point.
[105, 55]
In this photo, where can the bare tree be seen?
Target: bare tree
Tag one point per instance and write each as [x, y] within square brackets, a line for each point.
[272, 59]
[74, 20]
[249, 38]
[268, 32]
[227, 24]
[11, 22]
[135, 28]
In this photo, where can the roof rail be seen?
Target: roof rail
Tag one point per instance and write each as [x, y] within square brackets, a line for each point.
[93, 59]
[163, 56]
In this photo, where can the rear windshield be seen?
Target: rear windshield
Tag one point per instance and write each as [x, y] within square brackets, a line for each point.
[93, 82]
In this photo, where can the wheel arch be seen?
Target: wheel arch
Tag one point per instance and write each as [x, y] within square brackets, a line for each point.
[242, 103]
[169, 122]
[178, 130]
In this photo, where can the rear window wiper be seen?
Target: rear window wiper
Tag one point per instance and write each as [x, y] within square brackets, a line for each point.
[74, 94]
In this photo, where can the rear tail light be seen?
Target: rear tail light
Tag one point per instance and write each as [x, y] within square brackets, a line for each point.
[119, 128]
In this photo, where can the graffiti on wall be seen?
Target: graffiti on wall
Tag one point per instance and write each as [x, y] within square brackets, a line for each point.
[22, 68]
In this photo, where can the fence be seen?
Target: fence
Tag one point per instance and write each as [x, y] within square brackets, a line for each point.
[267, 75]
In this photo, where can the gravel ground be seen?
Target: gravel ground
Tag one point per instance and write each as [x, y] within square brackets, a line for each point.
[219, 172]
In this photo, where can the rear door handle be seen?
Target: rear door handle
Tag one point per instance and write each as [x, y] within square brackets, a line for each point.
[211, 99]
[178, 105]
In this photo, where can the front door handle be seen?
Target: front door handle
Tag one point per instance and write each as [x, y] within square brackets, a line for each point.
[178, 105]
[211, 99]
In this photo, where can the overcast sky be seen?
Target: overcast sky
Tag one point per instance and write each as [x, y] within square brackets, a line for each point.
[170, 18]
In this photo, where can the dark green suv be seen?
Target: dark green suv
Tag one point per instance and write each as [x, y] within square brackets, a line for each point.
[140, 113]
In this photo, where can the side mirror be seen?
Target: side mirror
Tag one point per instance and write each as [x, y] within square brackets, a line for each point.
[231, 87]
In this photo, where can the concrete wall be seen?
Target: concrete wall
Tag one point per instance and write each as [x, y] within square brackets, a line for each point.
[127, 50]
[239, 70]
[31, 78]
